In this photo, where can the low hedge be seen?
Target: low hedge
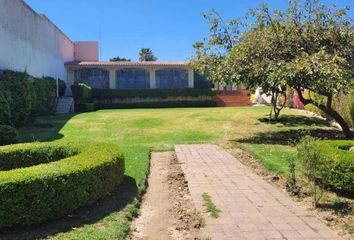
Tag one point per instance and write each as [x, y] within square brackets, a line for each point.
[162, 104]
[84, 107]
[338, 173]
[29, 195]
[8, 135]
[103, 94]
[81, 93]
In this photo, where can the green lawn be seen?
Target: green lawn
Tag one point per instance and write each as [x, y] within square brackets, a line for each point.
[138, 131]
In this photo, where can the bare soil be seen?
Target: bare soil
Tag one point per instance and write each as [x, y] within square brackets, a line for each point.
[167, 210]
[337, 215]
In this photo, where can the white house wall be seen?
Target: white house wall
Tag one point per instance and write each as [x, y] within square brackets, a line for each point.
[30, 42]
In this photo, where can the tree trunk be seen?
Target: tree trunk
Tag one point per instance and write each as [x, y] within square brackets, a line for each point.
[329, 111]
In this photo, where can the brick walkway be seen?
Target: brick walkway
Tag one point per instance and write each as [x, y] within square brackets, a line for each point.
[251, 207]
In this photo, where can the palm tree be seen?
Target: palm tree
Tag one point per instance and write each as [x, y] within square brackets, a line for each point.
[146, 54]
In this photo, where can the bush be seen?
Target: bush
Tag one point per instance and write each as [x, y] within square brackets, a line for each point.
[8, 135]
[81, 93]
[166, 104]
[62, 88]
[45, 95]
[103, 94]
[21, 93]
[335, 166]
[84, 107]
[5, 107]
[35, 194]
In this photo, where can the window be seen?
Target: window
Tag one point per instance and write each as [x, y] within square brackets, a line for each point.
[133, 78]
[172, 78]
[95, 78]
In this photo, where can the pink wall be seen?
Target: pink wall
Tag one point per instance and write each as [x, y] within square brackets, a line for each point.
[296, 101]
[86, 51]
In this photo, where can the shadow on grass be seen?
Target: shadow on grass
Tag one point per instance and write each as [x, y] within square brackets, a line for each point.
[115, 202]
[45, 129]
[291, 137]
[296, 121]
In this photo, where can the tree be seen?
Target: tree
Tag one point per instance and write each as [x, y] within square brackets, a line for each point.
[312, 48]
[119, 59]
[147, 55]
[308, 46]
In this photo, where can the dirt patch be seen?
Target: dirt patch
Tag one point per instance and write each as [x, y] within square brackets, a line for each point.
[338, 214]
[167, 210]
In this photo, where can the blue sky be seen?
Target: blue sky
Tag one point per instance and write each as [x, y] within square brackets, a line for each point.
[168, 27]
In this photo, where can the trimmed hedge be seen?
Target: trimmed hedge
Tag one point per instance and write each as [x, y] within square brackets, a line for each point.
[81, 93]
[102, 94]
[339, 164]
[85, 107]
[167, 104]
[8, 135]
[47, 191]
[22, 96]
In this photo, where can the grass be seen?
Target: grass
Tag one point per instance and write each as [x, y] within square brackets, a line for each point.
[211, 207]
[138, 131]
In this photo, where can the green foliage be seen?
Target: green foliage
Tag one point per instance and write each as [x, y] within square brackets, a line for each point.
[8, 135]
[85, 107]
[119, 59]
[318, 98]
[5, 107]
[328, 163]
[291, 182]
[146, 54]
[62, 88]
[22, 96]
[35, 194]
[20, 90]
[81, 93]
[161, 104]
[45, 95]
[106, 94]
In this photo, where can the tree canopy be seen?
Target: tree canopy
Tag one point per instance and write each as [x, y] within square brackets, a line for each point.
[119, 59]
[146, 54]
[309, 46]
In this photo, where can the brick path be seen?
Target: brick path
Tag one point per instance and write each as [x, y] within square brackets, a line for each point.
[251, 207]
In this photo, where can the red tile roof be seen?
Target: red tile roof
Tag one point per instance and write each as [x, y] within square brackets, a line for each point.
[127, 64]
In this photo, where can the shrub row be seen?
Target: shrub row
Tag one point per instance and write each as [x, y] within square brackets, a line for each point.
[22, 96]
[102, 94]
[8, 135]
[47, 191]
[162, 104]
[333, 161]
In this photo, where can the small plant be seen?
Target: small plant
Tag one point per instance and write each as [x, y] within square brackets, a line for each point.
[314, 165]
[211, 208]
[201, 222]
[291, 183]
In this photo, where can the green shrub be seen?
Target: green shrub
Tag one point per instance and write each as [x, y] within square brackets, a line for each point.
[21, 92]
[84, 107]
[62, 88]
[81, 93]
[335, 166]
[8, 135]
[45, 95]
[104, 94]
[47, 191]
[162, 104]
[5, 107]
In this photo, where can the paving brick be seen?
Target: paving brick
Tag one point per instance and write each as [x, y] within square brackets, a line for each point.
[251, 208]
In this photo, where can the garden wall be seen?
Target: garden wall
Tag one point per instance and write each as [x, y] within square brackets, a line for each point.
[31, 42]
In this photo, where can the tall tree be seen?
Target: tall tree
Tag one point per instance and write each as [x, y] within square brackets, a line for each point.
[119, 59]
[146, 54]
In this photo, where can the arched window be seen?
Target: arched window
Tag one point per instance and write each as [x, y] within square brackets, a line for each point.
[93, 77]
[133, 78]
[172, 78]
